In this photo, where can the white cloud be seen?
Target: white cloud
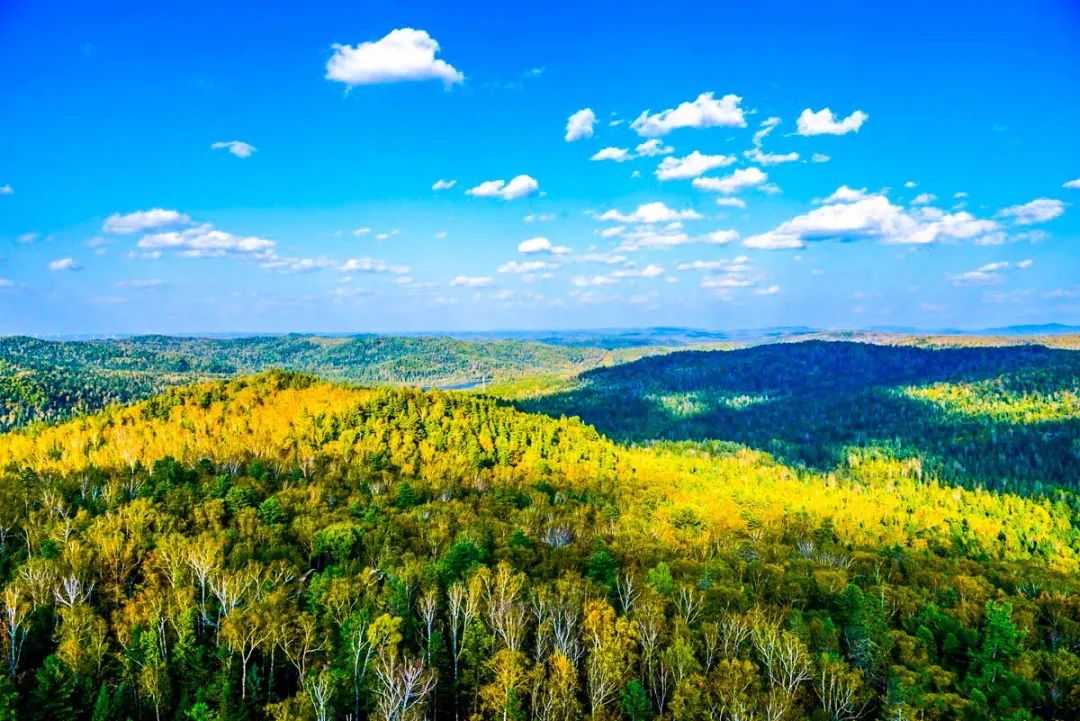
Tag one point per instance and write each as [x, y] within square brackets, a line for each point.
[580, 125]
[670, 236]
[871, 217]
[518, 187]
[1039, 210]
[910, 184]
[64, 264]
[691, 166]
[731, 202]
[27, 238]
[823, 123]
[923, 199]
[988, 274]
[820, 158]
[720, 237]
[541, 245]
[738, 264]
[767, 126]
[650, 213]
[755, 155]
[741, 178]
[531, 266]
[441, 184]
[704, 112]
[844, 194]
[237, 147]
[604, 258]
[372, 265]
[404, 54]
[960, 195]
[361, 231]
[584, 281]
[726, 281]
[1025, 263]
[7, 190]
[205, 241]
[619, 155]
[1072, 184]
[649, 271]
[142, 220]
[768, 290]
[539, 217]
[472, 281]
[652, 147]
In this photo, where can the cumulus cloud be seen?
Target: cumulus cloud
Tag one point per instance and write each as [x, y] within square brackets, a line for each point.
[923, 199]
[650, 213]
[541, 245]
[472, 281]
[580, 125]
[404, 54]
[858, 216]
[205, 241]
[653, 147]
[844, 194]
[619, 155]
[519, 186]
[704, 112]
[64, 264]
[1073, 184]
[441, 184]
[823, 123]
[237, 147]
[691, 166]
[8, 190]
[143, 220]
[1039, 210]
[741, 178]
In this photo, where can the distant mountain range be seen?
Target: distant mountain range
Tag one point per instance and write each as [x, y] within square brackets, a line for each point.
[634, 337]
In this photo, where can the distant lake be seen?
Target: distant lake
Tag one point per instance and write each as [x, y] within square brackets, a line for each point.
[456, 386]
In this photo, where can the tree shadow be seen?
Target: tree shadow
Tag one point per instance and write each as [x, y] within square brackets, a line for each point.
[810, 403]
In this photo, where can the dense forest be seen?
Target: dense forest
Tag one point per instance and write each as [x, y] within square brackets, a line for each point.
[48, 380]
[1003, 418]
[278, 547]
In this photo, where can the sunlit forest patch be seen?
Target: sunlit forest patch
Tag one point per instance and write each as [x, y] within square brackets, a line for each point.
[1001, 400]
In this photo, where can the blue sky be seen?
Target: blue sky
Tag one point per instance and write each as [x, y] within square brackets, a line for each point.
[222, 166]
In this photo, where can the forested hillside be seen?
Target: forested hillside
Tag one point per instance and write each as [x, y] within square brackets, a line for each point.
[45, 380]
[277, 547]
[1005, 418]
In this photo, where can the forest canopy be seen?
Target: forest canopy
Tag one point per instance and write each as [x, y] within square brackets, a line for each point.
[280, 547]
